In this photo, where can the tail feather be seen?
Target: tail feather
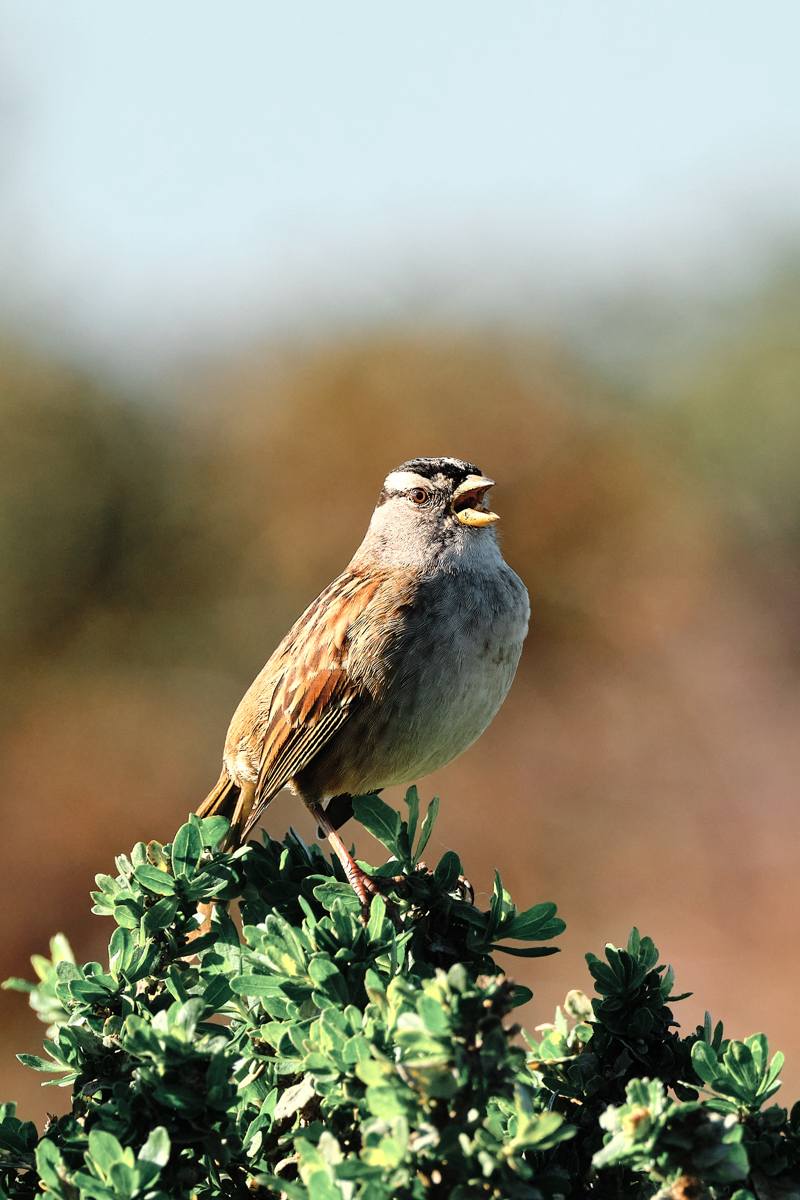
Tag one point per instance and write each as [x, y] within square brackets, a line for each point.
[235, 801]
[221, 801]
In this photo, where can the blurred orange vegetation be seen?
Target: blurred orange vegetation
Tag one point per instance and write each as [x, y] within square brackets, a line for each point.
[644, 768]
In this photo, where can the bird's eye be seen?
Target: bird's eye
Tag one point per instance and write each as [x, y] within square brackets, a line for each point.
[419, 495]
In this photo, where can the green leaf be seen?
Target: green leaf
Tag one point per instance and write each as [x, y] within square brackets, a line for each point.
[705, 1063]
[379, 819]
[157, 1147]
[427, 828]
[187, 850]
[121, 949]
[412, 800]
[321, 1187]
[535, 924]
[377, 919]
[127, 913]
[328, 978]
[384, 1102]
[295, 1098]
[160, 915]
[35, 1063]
[213, 830]
[256, 985]
[333, 892]
[123, 1179]
[155, 880]
[500, 908]
[775, 1068]
[50, 1166]
[447, 871]
[433, 1014]
[15, 984]
[105, 1150]
[526, 951]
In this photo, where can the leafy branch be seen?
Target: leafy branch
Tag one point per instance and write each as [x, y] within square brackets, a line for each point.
[300, 1053]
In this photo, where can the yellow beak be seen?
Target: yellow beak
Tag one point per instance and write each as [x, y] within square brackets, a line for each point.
[468, 502]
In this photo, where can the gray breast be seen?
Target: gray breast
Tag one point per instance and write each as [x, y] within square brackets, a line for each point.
[453, 666]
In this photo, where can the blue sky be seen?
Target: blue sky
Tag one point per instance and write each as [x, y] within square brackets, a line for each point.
[178, 170]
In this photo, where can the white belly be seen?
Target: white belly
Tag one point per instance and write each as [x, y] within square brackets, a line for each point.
[453, 684]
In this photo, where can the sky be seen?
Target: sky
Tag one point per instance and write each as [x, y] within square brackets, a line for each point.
[175, 174]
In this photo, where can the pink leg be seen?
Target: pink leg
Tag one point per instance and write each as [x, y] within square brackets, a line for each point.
[360, 882]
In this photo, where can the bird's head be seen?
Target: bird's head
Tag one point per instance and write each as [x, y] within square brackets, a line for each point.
[432, 508]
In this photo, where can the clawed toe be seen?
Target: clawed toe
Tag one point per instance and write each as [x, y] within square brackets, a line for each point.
[367, 888]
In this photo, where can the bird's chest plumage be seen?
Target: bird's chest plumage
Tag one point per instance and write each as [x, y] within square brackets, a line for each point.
[451, 667]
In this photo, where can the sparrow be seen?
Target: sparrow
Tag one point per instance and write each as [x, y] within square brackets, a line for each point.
[395, 668]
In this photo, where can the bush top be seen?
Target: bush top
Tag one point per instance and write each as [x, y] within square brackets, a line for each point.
[308, 1054]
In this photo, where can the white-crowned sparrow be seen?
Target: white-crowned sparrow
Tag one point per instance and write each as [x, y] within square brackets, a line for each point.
[393, 670]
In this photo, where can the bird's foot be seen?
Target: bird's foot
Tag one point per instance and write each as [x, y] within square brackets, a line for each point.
[367, 887]
[364, 886]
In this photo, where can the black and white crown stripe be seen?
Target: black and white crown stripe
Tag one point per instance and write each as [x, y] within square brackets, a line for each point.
[417, 471]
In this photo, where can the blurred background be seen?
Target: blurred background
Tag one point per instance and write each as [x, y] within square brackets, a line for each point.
[252, 259]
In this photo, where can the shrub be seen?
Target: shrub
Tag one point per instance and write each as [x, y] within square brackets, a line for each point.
[308, 1054]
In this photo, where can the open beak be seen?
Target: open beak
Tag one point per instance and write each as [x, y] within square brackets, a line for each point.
[469, 502]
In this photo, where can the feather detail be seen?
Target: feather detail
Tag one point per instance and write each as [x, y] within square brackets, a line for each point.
[332, 660]
[221, 800]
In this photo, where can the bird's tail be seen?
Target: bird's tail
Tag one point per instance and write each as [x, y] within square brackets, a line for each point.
[223, 801]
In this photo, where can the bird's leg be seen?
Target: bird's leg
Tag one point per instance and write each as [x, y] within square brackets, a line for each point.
[362, 885]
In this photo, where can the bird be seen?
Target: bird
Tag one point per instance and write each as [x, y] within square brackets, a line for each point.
[396, 668]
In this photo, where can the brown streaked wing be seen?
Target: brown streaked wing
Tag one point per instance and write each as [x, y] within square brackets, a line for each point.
[312, 692]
